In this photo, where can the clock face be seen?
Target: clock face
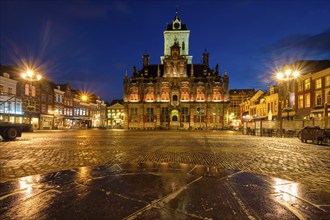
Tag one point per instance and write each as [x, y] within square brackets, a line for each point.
[176, 25]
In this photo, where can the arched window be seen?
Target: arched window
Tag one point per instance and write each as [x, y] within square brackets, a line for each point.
[175, 118]
[175, 98]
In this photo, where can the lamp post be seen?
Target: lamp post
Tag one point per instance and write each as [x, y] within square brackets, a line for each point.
[30, 76]
[288, 76]
[85, 113]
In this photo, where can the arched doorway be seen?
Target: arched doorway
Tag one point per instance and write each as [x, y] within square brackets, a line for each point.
[174, 118]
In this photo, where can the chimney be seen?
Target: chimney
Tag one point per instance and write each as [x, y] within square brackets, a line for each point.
[145, 58]
[206, 58]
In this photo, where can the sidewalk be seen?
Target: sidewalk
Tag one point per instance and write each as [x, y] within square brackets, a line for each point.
[159, 191]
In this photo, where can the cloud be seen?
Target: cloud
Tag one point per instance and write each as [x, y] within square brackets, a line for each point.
[315, 44]
[287, 50]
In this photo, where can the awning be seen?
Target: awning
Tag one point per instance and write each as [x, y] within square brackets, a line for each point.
[317, 110]
[245, 113]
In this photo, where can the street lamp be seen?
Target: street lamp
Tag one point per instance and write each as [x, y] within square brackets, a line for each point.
[83, 112]
[288, 76]
[30, 76]
[84, 98]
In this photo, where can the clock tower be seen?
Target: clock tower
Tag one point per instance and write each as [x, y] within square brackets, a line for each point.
[176, 33]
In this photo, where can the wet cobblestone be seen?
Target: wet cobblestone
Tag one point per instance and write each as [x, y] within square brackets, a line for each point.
[44, 152]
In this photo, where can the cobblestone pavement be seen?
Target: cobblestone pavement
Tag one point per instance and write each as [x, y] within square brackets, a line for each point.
[287, 158]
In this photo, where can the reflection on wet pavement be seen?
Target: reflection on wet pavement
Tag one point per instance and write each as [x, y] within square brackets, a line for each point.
[159, 191]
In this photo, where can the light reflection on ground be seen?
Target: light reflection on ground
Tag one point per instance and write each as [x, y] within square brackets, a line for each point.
[155, 191]
[288, 191]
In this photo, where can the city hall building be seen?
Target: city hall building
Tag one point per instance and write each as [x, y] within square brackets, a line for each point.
[176, 94]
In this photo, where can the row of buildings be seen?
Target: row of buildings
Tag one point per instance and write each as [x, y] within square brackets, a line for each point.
[50, 106]
[176, 93]
[172, 94]
[47, 105]
[305, 97]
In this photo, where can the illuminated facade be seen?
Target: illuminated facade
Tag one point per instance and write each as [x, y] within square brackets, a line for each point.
[47, 105]
[176, 94]
[237, 96]
[313, 89]
[116, 114]
[260, 105]
[10, 105]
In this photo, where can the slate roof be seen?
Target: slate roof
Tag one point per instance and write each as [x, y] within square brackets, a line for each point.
[153, 69]
[311, 66]
[12, 70]
[120, 101]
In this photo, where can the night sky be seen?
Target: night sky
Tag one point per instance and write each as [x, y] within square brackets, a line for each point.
[91, 44]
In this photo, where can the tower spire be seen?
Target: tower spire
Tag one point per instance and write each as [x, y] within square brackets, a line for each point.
[176, 15]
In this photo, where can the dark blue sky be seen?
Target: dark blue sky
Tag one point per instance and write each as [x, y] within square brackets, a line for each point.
[91, 44]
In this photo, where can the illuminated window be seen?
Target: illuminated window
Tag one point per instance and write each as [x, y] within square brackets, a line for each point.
[150, 114]
[200, 114]
[43, 108]
[49, 110]
[43, 98]
[10, 90]
[327, 81]
[318, 83]
[200, 94]
[27, 88]
[164, 115]
[33, 92]
[50, 98]
[185, 94]
[300, 101]
[300, 87]
[133, 114]
[150, 95]
[184, 114]
[18, 107]
[165, 95]
[216, 115]
[318, 100]
[275, 106]
[307, 84]
[134, 96]
[216, 94]
[307, 100]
